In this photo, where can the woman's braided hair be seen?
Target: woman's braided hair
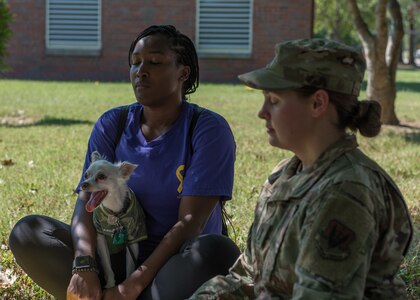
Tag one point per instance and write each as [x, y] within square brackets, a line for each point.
[182, 46]
[364, 116]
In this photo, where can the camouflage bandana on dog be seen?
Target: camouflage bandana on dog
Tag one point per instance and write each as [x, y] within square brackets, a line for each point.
[119, 230]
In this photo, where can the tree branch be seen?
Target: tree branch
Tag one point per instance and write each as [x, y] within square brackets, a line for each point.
[360, 24]
[394, 43]
[381, 27]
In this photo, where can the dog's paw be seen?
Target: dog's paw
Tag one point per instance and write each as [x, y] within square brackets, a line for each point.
[110, 283]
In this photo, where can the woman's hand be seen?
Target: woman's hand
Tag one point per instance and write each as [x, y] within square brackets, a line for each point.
[85, 285]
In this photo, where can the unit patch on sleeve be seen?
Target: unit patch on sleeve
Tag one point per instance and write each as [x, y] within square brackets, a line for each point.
[334, 240]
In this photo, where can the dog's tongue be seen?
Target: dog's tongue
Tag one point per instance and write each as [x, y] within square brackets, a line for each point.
[94, 200]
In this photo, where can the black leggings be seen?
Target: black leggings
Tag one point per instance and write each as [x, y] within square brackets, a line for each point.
[43, 247]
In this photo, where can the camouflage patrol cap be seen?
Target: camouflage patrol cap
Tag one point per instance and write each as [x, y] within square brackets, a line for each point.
[310, 62]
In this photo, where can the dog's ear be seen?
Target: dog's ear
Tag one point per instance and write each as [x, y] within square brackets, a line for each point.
[126, 169]
[95, 156]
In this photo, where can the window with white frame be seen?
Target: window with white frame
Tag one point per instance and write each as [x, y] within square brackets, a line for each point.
[73, 26]
[224, 27]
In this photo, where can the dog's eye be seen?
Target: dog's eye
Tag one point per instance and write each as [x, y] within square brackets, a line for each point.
[86, 176]
[101, 177]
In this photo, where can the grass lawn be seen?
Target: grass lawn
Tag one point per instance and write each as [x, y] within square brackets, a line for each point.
[44, 128]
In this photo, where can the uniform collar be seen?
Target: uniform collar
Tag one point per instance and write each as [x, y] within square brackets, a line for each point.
[288, 183]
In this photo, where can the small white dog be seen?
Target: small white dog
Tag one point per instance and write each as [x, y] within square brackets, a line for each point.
[118, 217]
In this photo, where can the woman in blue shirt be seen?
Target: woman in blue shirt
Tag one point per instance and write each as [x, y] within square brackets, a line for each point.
[180, 181]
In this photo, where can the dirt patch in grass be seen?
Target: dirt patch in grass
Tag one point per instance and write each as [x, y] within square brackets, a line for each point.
[18, 119]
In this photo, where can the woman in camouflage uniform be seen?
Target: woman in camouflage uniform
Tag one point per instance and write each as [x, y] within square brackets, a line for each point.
[330, 223]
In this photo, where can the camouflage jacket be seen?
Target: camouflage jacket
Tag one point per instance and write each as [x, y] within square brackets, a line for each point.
[337, 230]
[132, 220]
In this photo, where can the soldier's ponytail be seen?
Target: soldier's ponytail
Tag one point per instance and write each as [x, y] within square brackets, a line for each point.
[364, 116]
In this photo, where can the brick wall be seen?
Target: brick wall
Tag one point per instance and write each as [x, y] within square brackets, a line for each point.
[122, 21]
[273, 21]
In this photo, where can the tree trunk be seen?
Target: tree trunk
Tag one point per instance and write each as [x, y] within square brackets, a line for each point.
[411, 42]
[381, 89]
[412, 11]
[381, 52]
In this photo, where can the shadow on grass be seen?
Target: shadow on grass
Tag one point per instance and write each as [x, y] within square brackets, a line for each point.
[51, 121]
[17, 121]
[412, 137]
[410, 134]
[408, 86]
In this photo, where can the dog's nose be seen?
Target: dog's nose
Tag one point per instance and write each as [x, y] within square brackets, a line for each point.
[84, 185]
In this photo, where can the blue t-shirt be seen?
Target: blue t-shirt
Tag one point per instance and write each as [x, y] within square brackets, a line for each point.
[160, 179]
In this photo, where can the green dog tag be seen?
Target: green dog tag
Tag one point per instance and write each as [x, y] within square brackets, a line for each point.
[120, 237]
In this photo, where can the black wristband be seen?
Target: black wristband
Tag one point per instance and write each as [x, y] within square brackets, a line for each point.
[84, 263]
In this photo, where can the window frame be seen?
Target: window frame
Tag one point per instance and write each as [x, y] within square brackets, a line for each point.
[223, 50]
[90, 48]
